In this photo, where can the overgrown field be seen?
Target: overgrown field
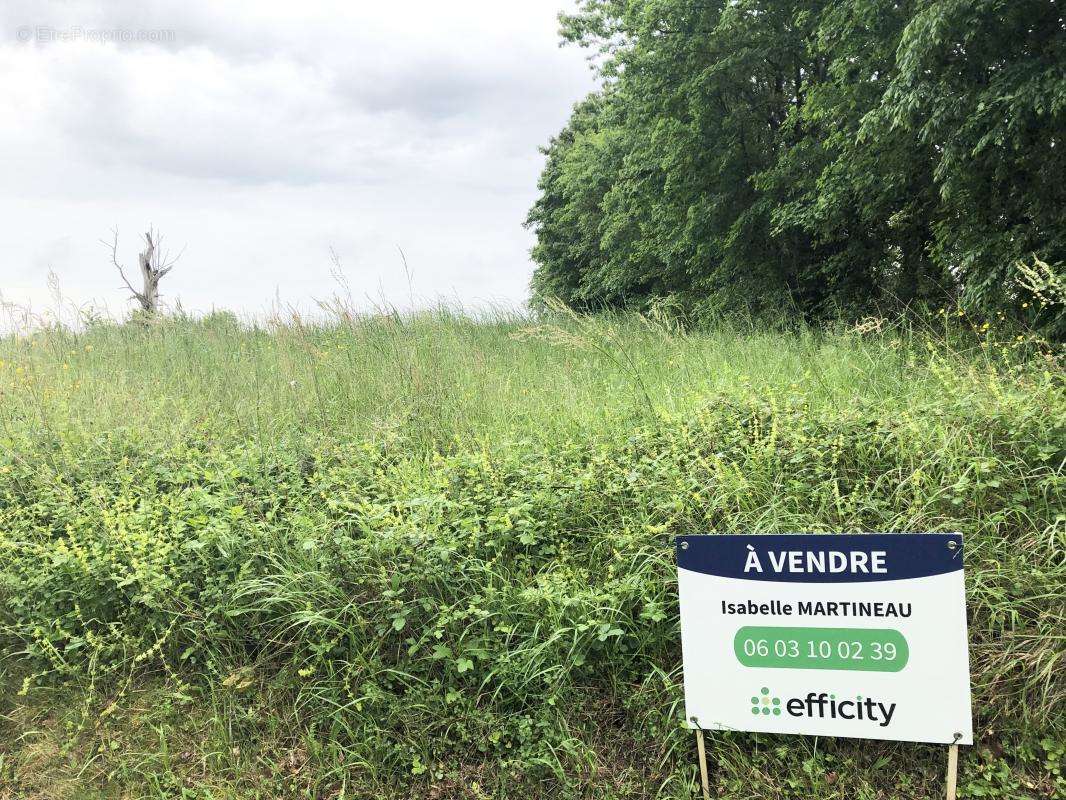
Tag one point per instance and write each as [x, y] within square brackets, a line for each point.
[430, 557]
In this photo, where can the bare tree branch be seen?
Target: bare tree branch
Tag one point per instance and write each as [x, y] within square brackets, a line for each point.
[113, 247]
[153, 268]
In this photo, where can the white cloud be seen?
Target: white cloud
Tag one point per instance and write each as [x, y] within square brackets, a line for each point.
[259, 135]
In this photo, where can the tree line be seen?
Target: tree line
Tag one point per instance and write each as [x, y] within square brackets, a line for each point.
[816, 157]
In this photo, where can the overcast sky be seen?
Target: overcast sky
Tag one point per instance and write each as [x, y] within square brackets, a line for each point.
[259, 135]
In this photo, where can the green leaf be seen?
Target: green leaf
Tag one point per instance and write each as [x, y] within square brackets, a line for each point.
[441, 651]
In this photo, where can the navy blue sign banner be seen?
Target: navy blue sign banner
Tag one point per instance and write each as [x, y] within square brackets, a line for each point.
[822, 558]
[859, 635]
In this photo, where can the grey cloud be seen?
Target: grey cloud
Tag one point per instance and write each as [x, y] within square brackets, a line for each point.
[414, 124]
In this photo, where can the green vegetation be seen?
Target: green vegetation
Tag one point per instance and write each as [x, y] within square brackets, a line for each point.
[819, 158]
[429, 556]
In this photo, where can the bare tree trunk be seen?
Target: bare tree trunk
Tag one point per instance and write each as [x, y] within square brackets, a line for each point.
[153, 268]
[149, 294]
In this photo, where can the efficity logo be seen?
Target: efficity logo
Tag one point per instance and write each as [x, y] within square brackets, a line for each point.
[764, 704]
[822, 705]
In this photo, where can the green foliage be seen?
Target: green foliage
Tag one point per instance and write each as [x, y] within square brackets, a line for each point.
[421, 595]
[985, 84]
[807, 157]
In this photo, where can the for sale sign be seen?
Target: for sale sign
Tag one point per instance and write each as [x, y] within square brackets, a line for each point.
[830, 635]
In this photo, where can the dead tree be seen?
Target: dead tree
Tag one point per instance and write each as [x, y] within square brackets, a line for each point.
[154, 266]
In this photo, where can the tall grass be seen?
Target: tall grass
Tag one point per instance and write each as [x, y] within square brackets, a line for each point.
[428, 555]
[439, 375]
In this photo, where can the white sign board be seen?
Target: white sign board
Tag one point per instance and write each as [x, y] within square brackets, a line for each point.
[826, 634]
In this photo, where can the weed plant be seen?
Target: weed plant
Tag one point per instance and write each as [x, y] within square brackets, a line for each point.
[429, 555]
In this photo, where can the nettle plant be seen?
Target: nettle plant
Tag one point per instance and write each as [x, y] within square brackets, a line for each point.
[508, 602]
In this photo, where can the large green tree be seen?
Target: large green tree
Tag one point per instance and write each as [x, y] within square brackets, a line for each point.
[983, 83]
[816, 156]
